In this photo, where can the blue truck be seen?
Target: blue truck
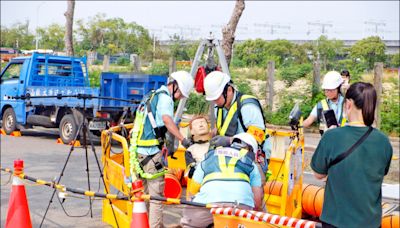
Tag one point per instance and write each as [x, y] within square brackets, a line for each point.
[58, 81]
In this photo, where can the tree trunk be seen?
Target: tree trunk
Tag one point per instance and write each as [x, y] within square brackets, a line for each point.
[69, 15]
[378, 73]
[316, 78]
[228, 32]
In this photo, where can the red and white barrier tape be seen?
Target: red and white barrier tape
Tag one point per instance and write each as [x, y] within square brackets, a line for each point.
[264, 217]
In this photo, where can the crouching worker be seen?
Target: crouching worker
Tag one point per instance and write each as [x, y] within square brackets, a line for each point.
[154, 117]
[227, 177]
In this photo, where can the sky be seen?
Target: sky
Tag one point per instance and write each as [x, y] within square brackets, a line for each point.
[292, 20]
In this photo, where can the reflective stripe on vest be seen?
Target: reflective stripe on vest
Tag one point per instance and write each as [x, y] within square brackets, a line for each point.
[325, 107]
[226, 171]
[135, 167]
[148, 139]
[229, 126]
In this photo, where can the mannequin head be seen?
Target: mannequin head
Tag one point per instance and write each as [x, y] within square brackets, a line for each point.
[199, 128]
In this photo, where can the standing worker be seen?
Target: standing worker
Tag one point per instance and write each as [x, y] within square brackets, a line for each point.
[227, 177]
[346, 80]
[334, 100]
[355, 167]
[235, 113]
[154, 117]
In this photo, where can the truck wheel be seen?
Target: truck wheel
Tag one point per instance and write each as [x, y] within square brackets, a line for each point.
[68, 129]
[9, 121]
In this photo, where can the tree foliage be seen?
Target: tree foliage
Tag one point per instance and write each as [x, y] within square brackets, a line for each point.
[258, 52]
[112, 35]
[52, 37]
[17, 36]
[369, 50]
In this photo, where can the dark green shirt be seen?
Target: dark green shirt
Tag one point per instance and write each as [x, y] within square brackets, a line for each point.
[353, 190]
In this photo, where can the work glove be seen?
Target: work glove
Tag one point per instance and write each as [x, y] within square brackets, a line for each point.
[187, 142]
[220, 140]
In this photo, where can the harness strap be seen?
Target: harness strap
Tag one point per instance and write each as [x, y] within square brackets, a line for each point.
[146, 160]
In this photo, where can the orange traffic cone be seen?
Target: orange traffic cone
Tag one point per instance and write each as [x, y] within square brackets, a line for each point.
[16, 133]
[18, 210]
[59, 141]
[139, 212]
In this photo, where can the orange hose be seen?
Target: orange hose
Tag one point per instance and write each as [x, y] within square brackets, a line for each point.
[172, 188]
[390, 221]
[273, 188]
[312, 199]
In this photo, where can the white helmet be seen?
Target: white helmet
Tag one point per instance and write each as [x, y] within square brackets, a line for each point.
[332, 80]
[214, 84]
[248, 139]
[185, 82]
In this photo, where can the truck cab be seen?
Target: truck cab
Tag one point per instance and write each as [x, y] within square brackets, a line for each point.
[29, 89]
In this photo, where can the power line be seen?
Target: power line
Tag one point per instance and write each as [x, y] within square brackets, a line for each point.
[321, 25]
[273, 28]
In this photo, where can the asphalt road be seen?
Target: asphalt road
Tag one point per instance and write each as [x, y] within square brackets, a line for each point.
[44, 159]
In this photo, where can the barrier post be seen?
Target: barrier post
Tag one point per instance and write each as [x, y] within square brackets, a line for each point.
[139, 213]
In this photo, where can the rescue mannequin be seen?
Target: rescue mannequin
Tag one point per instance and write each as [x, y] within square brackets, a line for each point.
[200, 132]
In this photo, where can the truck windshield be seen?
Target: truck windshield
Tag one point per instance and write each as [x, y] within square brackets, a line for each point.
[12, 72]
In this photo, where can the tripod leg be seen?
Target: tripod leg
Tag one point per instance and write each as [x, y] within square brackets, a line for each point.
[85, 131]
[61, 174]
[102, 177]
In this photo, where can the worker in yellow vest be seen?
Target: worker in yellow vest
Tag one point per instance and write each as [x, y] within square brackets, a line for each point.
[153, 118]
[236, 113]
[227, 177]
[334, 101]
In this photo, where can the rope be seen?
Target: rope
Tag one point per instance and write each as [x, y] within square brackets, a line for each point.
[8, 181]
[105, 196]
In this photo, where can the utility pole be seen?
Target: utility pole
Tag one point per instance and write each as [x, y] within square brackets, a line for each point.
[175, 28]
[273, 28]
[376, 26]
[190, 32]
[153, 33]
[321, 25]
[216, 29]
[37, 23]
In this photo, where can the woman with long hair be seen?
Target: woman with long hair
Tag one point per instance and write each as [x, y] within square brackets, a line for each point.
[354, 159]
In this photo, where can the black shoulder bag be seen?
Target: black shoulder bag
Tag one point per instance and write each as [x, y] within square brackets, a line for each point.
[351, 149]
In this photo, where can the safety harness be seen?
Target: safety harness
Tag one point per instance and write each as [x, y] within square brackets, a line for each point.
[227, 164]
[229, 125]
[156, 138]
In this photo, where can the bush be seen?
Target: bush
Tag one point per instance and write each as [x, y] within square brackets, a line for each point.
[197, 104]
[390, 110]
[292, 73]
[281, 116]
[159, 68]
[244, 87]
[94, 77]
[97, 62]
[122, 61]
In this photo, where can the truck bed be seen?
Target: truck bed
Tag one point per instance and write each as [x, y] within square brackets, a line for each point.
[128, 86]
[65, 101]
